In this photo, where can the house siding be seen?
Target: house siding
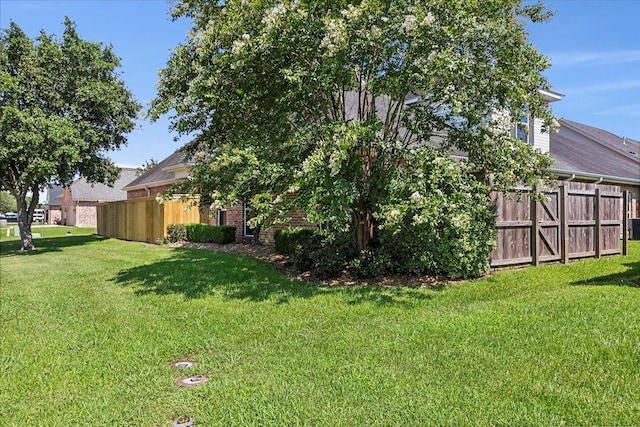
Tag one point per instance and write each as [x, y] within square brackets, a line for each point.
[540, 139]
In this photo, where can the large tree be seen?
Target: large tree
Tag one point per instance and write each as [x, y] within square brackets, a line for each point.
[328, 99]
[62, 107]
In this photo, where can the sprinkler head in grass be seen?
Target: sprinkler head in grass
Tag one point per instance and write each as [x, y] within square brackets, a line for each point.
[191, 381]
[183, 421]
[182, 364]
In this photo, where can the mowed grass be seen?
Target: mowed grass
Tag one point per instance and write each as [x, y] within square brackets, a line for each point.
[89, 326]
[46, 231]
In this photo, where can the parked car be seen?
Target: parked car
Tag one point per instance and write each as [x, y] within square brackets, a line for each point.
[38, 215]
[11, 217]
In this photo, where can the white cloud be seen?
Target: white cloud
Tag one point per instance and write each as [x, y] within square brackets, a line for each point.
[632, 110]
[581, 59]
[604, 87]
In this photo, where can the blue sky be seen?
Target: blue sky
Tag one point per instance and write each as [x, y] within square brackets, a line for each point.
[594, 47]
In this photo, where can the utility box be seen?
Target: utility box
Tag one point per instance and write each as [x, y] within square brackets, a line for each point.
[634, 225]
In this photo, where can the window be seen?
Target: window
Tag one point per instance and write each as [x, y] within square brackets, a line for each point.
[247, 214]
[221, 217]
[523, 129]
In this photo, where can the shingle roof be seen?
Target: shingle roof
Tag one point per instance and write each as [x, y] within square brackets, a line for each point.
[585, 149]
[157, 173]
[83, 191]
[54, 193]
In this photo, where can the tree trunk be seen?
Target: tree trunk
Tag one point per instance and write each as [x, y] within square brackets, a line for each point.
[25, 215]
[255, 240]
[25, 230]
[364, 226]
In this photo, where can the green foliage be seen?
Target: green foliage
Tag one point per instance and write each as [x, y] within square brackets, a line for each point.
[63, 106]
[176, 233]
[372, 262]
[439, 222]
[206, 233]
[7, 202]
[330, 102]
[148, 165]
[286, 240]
[326, 255]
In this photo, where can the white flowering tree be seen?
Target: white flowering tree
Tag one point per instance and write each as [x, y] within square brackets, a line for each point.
[331, 100]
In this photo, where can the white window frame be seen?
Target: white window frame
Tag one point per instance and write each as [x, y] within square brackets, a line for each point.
[219, 216]
[245, 211]
[525, 124]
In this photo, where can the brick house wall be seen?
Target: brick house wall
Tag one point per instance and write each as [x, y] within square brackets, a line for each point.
[68, 215]
[54, 214]
[235, 216]
[86, 214]
[634, 203]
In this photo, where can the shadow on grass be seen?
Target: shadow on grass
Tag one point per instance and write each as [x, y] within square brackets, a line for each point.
[196, 273]
[46, 245]
[630, 277]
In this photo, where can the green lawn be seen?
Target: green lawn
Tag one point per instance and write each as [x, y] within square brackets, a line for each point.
[89, 325]
[45, 231]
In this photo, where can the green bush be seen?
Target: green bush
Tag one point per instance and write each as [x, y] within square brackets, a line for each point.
[176, 233]
[288, 239]
[205, 233]
[327, 258]
[440, 223]
[373, 262]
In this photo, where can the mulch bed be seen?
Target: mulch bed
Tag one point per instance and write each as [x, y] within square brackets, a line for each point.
[281, 262]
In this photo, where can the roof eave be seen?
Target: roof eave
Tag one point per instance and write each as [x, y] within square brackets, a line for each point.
[152, 184]
[596, 176]
[551, 96]
[178, 167]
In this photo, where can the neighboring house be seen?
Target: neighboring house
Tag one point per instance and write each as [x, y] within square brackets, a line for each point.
[76, 204]
[588, 154]
[160, 177]
[175, 168]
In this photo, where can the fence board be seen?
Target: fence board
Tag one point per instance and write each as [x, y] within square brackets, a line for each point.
[142, 220]
[575, 220]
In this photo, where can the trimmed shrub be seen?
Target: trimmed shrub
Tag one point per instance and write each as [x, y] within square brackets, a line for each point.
[326, 258]
[372, 263]
[288, 239]
[176, 233]
[205, 233]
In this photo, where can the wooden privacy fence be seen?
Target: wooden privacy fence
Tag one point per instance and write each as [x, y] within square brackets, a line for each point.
[142, 220]
[575, 220]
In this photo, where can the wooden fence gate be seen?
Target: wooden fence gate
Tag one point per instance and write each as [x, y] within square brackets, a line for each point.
[575, 220]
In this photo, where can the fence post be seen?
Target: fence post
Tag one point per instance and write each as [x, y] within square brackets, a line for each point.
[535, 226]
[625, 221]
[564, 223]
[596, 214]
